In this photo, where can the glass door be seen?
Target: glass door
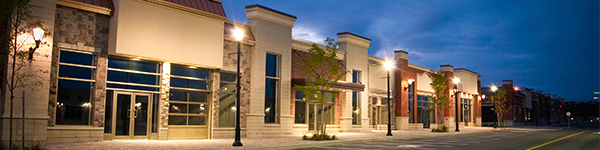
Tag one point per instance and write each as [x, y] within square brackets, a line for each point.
[131, 117]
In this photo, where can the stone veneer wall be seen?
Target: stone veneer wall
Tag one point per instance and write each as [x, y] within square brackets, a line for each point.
[163, 108]
[81, 27]
[84, 31]
[230, 65]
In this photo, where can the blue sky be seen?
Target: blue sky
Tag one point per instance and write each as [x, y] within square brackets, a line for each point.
[547, 45]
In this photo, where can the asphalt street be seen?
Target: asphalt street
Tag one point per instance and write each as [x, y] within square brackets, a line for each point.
[581, 135]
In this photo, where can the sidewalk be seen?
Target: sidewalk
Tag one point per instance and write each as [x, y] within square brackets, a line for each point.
[279, 142]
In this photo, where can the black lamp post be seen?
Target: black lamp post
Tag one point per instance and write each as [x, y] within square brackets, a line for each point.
[239, 35]
[456, 81]
[389, 66]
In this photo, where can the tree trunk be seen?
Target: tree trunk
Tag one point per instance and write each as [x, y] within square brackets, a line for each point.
[438, 118]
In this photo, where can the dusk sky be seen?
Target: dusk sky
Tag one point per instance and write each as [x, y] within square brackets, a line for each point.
[547, 45]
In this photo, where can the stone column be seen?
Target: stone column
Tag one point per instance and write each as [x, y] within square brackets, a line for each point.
[163, 111]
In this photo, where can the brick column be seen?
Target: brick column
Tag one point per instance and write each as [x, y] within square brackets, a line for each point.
[449, 113]
[401, 96]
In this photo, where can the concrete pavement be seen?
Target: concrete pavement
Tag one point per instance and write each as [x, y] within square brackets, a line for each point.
[276, 142]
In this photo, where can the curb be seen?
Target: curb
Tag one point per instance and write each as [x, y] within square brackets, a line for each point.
[361, 141]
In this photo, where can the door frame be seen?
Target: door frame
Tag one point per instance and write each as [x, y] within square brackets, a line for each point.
[132, 105]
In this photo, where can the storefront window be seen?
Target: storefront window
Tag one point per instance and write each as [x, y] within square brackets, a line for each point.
[188, 99]
[411, 100]
[132, 74]
[466, 109]
[75, 86]
[272, 82]
[355, 100]
[227, 100]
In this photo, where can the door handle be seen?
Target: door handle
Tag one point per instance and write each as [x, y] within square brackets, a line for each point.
[135, 113]
[128, 113]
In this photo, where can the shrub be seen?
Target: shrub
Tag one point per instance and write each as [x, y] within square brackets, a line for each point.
[320, 137]
[444, 128]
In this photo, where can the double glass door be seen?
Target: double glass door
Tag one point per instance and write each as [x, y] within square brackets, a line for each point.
[131, 117]
[314, 111]
[425, 116]
[378, 112]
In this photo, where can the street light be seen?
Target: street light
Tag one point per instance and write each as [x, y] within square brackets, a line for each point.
[239, 35]
[389, 65]
[494, 88]
[38, 33]
[456, 81]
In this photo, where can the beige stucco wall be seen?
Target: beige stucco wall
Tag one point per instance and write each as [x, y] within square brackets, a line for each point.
[356, 59]
[140, 28]
[377, 77]
[273, 34]
[468, 81]
[424, 83]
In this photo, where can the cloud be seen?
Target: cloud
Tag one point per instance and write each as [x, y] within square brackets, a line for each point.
[308, 33]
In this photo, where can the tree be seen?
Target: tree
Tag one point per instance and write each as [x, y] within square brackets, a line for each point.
[321, 67]
[501, 105]
[440, 99]
[15, 56]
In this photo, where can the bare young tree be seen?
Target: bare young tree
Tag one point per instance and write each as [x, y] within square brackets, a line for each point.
[16, 57]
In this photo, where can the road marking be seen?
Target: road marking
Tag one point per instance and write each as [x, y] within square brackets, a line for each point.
[557, 140]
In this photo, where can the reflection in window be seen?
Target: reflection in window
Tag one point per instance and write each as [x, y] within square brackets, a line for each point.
[466, 108]
[188, 98]
[122, 73]
[300, 110]
[185, 77]
[314, 111]
[75, 86]
[355, 100]
[185, 103]
[424, 114]
[272, 88]
[227, 100]
[411, 100]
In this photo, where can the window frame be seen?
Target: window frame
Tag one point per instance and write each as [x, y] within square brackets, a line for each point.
[131, 71]
[187, 102]
[277, 97]
[357, 74]
[221, 94]
[91, 81]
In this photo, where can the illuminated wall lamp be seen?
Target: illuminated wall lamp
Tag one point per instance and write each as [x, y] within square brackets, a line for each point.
[38, 33]
[410, 82]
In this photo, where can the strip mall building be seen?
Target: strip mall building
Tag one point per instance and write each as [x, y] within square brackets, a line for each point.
[166, 70]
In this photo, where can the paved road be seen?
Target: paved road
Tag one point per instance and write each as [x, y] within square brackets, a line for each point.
[582, 135]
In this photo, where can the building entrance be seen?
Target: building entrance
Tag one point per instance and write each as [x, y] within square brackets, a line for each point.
[131, 117]
[314, 111]
[466, 108]
[378, 111]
